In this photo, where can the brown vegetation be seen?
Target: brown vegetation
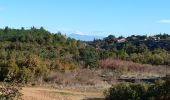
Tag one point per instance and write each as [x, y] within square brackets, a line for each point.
[127, 67]
[78, 77]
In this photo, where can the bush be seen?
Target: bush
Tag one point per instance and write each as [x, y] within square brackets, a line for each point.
[24, 75]
[127, 92]
[158, 91]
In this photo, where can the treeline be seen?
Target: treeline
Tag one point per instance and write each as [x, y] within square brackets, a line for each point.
[30, 54]
[142, 49]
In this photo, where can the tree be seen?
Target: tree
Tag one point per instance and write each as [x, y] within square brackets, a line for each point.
[6, 30]
[110, 39]
[90, 56]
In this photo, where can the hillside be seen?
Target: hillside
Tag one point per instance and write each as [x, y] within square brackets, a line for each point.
[28, 55]
[142, 49]
[37, 57]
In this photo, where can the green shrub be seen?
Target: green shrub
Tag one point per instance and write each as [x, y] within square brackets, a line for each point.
[158, 91]
[127, 92]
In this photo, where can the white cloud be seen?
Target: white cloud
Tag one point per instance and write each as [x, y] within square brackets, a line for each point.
[70, 31]
[165, 21]
[79, 32]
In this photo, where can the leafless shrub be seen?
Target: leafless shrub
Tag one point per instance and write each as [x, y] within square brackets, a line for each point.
[129, 66]
[79, 77]
[10, 92]
[110, 71]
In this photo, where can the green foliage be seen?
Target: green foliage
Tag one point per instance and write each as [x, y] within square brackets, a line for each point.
[107, 54]
[110, 39]
[157, 91]
[90, 56]
[12, 69]
[28, 55]
[122, 55]
[24, 75]
[127, 92]
[142, 49]
[64, 65]
[161, 90]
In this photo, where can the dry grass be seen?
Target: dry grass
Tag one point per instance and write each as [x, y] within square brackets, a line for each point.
[110, 71]
[32, 93]
[128, 68]
[79, 77]
[85, 84]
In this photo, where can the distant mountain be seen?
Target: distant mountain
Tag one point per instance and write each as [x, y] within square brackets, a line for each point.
[84, 37]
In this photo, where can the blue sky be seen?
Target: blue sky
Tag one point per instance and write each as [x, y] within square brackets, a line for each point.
[95, 17]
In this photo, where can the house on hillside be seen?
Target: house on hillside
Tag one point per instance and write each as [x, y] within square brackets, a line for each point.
[121, 40]
[154, 38]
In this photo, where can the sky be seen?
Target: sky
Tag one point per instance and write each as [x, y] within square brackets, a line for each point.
[92, 17]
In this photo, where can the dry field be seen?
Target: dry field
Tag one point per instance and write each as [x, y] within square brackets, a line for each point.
[37, 93]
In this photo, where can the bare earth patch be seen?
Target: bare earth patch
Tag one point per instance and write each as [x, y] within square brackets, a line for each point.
[33, 93]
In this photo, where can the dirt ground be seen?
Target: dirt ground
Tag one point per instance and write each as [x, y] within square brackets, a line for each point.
[37, 93]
